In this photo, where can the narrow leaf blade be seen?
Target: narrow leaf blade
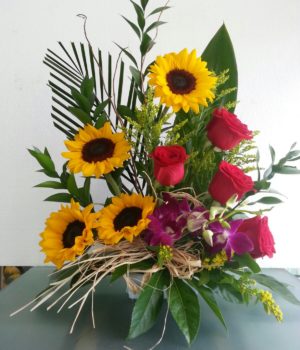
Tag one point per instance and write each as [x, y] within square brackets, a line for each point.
[277, 287]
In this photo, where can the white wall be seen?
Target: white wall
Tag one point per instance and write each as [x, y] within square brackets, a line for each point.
[266, 39]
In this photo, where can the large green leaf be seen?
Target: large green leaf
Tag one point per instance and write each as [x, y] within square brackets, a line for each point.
[148, 305]
[219, 55]
[208, 296]
[246, 260]
[276, 286]
[185, 309]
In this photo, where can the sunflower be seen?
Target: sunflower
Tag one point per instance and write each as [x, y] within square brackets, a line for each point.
[67, 233]
[96, 151]
[182, 81]
[126, 217]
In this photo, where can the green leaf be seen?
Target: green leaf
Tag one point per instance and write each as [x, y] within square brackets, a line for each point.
[87, 88]
[268, 174]
[86, 190]
[148, 305]
[134, 27]
[292, 154]
[208, 296]
[120, 271]
[128, 54]
[272, 152]
[219, 55]
[100, 108]
[59, 197]
[262, 185]
[83, 116]
[159, 9]
[44, 160]
[269, 200]
[154, 25]
[102, 119]
[81, 100]
[125, 111]
[146, 44]
[277, 287]
[140, 15]
[230, 293]
[246, 260]
[287, 170]
[51, 184]
[136, 74]
[293, 159]
[203, 277]
[185, 308]
[144, 3]
[72, 186]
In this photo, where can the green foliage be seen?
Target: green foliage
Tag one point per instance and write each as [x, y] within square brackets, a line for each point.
[148, 305]
[208, 296]
[146, 125]
[79, 89]
[173, 136]
[282, 167]
[276, 286]
[45, 161]
[243, 155]
[141, 29]
[185, 308]
[189, 130]
[122, 270]
[66, 181]
[219, 55]
[246, 260]
[59, 197]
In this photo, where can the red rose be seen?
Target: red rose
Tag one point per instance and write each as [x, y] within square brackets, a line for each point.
[257, 229]
[225, 130]
[169, 164]
[228, 181]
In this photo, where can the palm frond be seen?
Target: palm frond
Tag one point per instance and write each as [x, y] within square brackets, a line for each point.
[69, 67]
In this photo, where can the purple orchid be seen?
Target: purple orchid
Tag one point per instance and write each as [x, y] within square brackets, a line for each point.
[230, 239]
[167, 221]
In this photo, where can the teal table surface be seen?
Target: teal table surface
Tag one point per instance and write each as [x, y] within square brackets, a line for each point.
[249, 328]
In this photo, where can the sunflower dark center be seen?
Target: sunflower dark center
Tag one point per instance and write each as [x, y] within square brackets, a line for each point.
[180, 81]
[73, 230]
[98, 150]
[127, 217]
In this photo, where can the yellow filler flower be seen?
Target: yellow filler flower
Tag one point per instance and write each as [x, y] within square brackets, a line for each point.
[182, 81]
[96, 151]
[67, 233]
[125, 218]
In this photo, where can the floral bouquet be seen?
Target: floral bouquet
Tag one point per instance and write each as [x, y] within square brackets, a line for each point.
[184, 220]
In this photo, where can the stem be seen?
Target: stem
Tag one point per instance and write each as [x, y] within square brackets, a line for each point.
[110, 180]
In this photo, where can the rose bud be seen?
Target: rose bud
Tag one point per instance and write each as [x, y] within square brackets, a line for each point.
[229, 180]
[169, 164]
[257, 229]
[225, 130]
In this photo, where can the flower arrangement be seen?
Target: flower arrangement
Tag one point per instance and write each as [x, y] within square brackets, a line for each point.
[184, 175]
